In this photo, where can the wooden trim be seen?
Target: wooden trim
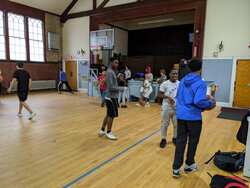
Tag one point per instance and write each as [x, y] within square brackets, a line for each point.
[103, 4]
[114, 26]
[150, 9]
[67, 10]
[26, 30]
[23, 9]
[30, 62]
[45, 42]
[94, 4]
[7, 44]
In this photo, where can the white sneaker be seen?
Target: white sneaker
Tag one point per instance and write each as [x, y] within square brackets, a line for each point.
[101, 133]
[191, 168]
[111, 136]
[137, 104]
[147, 104]
[19, 115]
[32, 115]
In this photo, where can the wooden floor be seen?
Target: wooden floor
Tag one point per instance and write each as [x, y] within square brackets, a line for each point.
[61, 145]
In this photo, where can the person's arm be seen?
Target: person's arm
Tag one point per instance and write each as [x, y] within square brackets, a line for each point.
[162, 95]
[201, 100]
[30, 83]
[13, 81]
[110, 83]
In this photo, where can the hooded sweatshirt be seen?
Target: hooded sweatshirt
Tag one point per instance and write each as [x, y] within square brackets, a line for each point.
[192, 98]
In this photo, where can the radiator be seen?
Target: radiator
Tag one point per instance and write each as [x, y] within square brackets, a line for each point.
[41, 85]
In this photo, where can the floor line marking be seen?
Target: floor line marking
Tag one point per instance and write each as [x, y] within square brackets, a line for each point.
[94, 169]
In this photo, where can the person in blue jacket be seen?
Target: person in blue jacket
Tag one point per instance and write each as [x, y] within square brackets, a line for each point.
[63, 81]
[192, 100]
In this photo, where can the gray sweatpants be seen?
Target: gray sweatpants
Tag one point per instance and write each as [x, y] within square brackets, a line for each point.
[168, 113]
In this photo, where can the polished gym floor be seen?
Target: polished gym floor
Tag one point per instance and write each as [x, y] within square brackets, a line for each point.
[60, 148]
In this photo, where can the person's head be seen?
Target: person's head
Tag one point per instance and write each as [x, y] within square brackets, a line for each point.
[103, 68]
[162, 72]
[120, 76]
[103, 73]
[114, 63]
[183, 61]
[148, 69]
[146, 84]
[19, 65]
[195, 65]
[173, 75]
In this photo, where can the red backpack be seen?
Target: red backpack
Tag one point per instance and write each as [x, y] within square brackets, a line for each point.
[219, 181]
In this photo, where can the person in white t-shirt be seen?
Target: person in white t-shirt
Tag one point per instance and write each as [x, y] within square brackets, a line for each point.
[168, 92]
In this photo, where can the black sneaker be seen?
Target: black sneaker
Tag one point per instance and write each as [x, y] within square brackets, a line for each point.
[176, 173]
[191, 168]
[124, 106]
[174, 141]
[163, 143]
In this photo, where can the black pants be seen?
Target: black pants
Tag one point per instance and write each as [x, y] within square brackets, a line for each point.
[60, 86]
[187, 131]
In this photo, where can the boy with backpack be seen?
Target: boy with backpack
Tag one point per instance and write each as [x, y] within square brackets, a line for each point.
[192, 100]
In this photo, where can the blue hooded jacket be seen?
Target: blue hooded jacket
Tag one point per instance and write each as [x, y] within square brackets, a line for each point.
[192, 98]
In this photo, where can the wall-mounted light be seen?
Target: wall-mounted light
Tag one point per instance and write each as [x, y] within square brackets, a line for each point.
[219, 49]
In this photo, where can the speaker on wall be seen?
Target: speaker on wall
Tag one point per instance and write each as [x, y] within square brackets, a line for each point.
[53, 41]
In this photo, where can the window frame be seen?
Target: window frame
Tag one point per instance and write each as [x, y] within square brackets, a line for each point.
[26, 35]
[43, 39]
[4, 35]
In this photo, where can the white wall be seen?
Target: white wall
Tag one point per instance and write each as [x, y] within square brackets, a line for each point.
[227, 21]
[82, 5]
[75, 37]
[115, 2]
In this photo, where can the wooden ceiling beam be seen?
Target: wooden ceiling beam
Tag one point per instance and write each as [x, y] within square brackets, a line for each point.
[103, 4]
[67, 10]
[94, 4]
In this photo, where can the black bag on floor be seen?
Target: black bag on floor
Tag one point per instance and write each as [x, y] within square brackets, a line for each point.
[228, 161]
[219, 181]
[243, 131]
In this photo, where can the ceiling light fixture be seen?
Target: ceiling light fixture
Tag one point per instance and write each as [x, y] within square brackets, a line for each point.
[156, 21]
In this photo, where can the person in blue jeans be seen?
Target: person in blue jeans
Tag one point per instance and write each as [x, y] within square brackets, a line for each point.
[192, 100]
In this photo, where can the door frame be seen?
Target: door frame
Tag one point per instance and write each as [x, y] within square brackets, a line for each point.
[234, 79]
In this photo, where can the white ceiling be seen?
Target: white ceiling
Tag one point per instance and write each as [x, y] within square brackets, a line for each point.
[54, 6]
[159, 21]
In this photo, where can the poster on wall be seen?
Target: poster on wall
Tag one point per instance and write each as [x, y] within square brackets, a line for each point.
[102, 39]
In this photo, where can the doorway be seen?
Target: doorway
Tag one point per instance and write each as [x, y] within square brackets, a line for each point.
[71, 71]
[242, 84]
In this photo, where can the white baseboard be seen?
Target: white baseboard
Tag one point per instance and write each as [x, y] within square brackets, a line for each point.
[223, 104]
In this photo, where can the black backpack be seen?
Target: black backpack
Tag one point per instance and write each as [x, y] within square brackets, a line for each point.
[219, 181]
[229, 161]
[242, 133]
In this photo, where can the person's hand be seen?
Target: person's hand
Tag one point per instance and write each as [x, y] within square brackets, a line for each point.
[9, 90]
[171, 101]
[213, 105]
[210, 97]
